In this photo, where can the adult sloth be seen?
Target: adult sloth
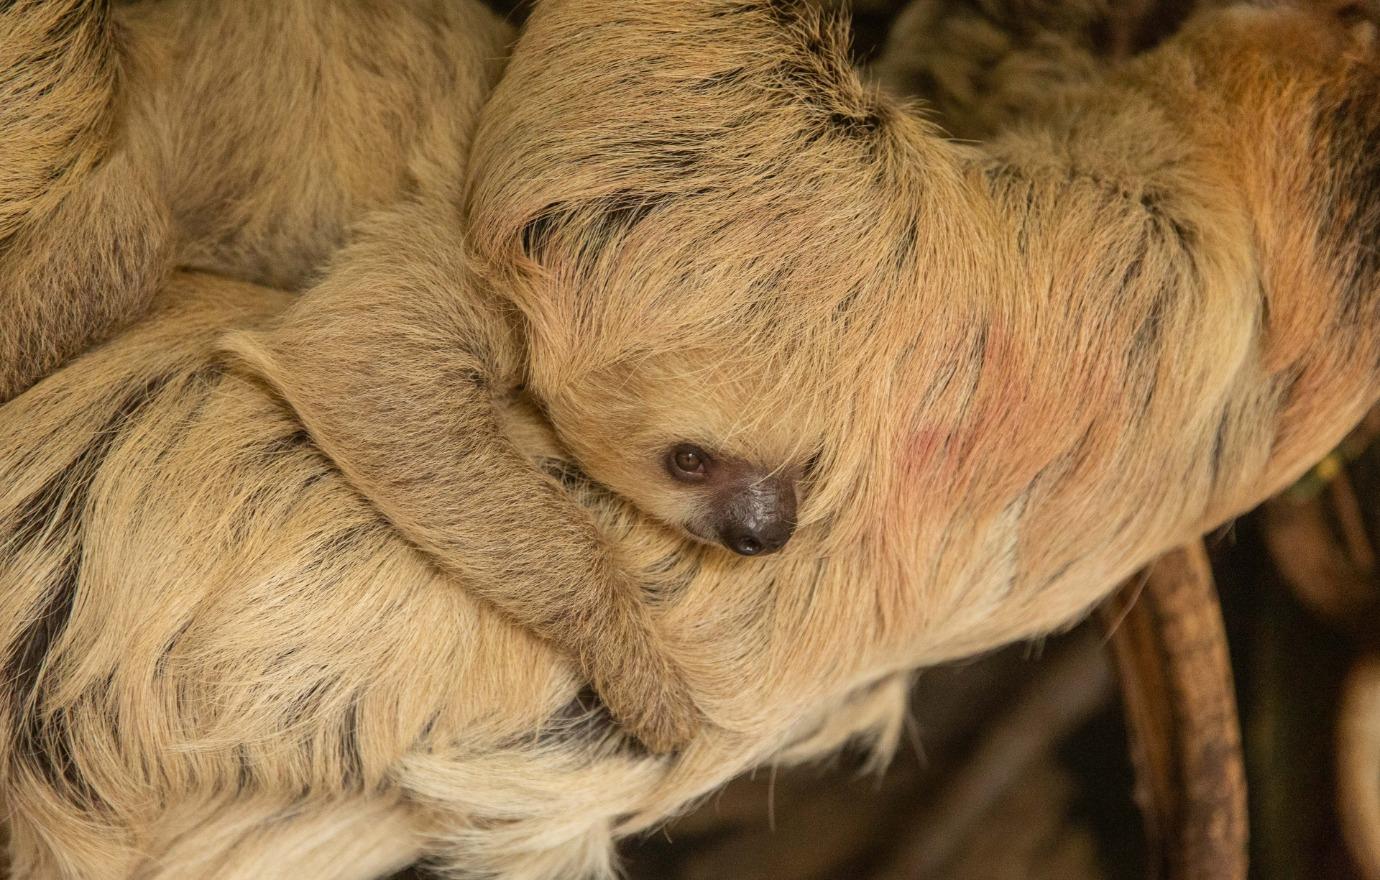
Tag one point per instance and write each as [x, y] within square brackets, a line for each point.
[222, 662]
[1046, 361]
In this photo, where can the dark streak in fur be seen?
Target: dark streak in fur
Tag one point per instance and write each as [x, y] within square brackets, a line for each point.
[1264, 301]
[160, 666]
[1288, 382]
[1058, 574]
[903, 255]
[350, 758]
[598, 224]
[1351, 179]
[860, 125]
[723, 81]
[817, 73]
[40, 513]
[73, 18]
[669, 577]
[1219, 447]
[980, 338]
[349, 540]
[536, 234]
[54, 514]
[1185, 237]
[620, 213]
[587, 722]
[845, 305]
[44, 745]
[567, 473]
[1148, 341]
[244, 774]
[248, 515]
[286, 444]
[785, 13]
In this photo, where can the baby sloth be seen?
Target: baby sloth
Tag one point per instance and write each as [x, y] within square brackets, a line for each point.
[395, 363]
[736, 504]
[142, 153]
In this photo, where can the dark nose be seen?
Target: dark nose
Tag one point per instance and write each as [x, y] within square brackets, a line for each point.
[760, 517]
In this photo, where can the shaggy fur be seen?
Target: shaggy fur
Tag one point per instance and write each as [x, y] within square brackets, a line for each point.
[73, 216]
[223, 663]
[1079, 345]
[1045, 361]
[394, 360]
[244, 141]
[395, 364]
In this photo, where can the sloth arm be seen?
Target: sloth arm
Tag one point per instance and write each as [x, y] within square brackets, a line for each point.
[394, 363]
[1220, 307]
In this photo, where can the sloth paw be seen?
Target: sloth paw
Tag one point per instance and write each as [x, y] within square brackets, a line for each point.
[647, 695]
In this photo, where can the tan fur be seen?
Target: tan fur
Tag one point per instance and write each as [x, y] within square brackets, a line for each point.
[262, 154]
[58, 85]
[236, 138]
[1022, 370]
[1012, 329]
[396, 363]
[244, 630]
[82, 240]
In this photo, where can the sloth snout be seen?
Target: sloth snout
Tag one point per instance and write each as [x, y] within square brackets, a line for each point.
[760, 517]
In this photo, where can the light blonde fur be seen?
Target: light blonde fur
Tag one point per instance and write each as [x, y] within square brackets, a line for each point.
[1023, 370]
[245, 141]
[263, 138]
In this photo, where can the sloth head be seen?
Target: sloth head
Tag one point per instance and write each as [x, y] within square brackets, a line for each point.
[749, 508]
[700, 444]
[673, 244]
[736, 399]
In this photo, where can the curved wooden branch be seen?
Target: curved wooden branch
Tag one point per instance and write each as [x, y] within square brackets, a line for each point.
[1170, 650]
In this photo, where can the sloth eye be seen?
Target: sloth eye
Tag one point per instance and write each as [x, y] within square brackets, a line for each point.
[687, 463]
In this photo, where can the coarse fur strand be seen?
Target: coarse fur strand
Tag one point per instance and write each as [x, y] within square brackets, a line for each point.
[1046, 359]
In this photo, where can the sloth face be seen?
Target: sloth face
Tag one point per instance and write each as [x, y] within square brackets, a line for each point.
[703, 453]
[746, 507]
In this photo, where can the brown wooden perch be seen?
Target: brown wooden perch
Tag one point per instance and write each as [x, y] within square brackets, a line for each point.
[1170, 649]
